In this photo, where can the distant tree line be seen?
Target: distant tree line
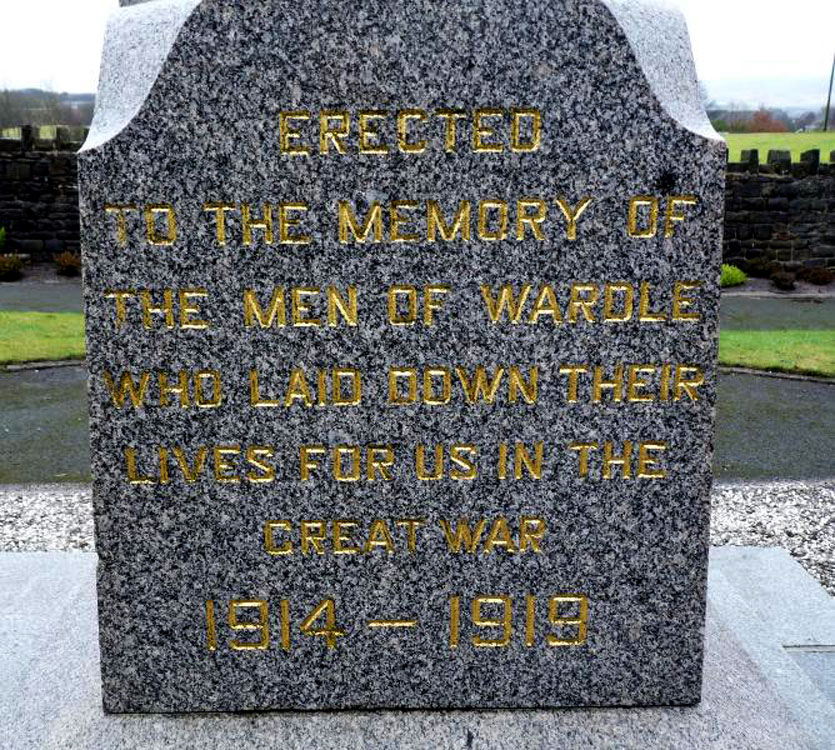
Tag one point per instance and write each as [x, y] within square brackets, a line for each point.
[37, 107]
[763, 120]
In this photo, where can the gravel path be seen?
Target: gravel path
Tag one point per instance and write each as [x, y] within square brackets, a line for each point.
[799, 516]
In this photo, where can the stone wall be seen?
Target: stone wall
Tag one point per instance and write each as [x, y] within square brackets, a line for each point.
[39, 194]
[781, 211]
[778, 211]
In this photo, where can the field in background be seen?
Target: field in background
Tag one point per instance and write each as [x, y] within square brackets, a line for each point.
[797, 143]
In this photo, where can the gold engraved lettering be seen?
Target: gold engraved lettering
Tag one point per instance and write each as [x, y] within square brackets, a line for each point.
[411, 525]
[531, 533]
[625, 314]
[517, 144]
[451, 116]
[134, 477]
[610, 459]
[462, 538]
[403, 119]
[504, 621]
[288, 135]
[261, 472]
[545, 304]
[152, 213]
[253, 311]
[379, 536]
[533, 220]
[499, 536]
[572, 214]
[435, 222]
[301, 309]
[286, 222]
[348, 222]
[265, 224]
[681, 302]
[673, 215]
[580, 621]
[127, 387]
[506, 299]
[615, 385]
[637, 383]
[120, 296]
[644, 314]
[166, 310]
[397, 219]
[369, 136]
[187, 309]
[120, 211]
[220, 210]
[482, 130]
[222, 466]
[313, 535]
[583, 298]
[637, 203]
[485, 208]
[583, 449]
[341, 538]
[573, 372]
[333, 135]
[437, 472]
[646, 462]
[270, 528]
[262, 626]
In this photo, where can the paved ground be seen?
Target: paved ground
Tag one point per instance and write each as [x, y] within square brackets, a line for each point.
[771, 428]
[43, 426]
[42, 294]
[756, 314]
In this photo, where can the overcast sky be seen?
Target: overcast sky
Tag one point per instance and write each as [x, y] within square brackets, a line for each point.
[751, 51]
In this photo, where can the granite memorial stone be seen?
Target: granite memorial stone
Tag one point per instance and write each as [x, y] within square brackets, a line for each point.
[402, 329]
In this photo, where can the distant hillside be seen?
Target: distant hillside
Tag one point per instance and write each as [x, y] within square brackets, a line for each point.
[38, 107]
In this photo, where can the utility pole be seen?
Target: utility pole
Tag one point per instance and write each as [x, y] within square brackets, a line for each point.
[829, 100]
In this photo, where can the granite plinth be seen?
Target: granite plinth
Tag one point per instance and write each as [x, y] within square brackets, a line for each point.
[214, 112]
[755, 695]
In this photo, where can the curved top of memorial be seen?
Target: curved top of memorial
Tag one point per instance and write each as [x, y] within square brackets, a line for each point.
[156, 48]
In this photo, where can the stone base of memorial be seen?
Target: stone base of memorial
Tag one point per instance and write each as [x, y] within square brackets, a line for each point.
[768, 679]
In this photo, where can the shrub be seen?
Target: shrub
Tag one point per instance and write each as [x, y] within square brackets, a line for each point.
[11, 268]
[783, 280]
[818, 276]
[67, 264]
[732, 276]
[2, 237]
[762, 268]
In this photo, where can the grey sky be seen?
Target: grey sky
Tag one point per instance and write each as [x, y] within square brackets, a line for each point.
[752, 51]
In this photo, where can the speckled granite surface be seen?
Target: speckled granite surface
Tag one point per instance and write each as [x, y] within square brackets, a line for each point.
[189, 109]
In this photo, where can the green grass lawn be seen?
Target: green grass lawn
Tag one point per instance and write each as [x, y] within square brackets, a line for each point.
[807, 352]
[797, 143]
[36, 336]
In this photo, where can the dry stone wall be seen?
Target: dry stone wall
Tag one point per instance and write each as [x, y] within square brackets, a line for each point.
[39, 194]
[781, 211]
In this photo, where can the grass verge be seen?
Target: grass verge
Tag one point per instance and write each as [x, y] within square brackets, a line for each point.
[803, 352]
[37, 336]
[797, 143]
